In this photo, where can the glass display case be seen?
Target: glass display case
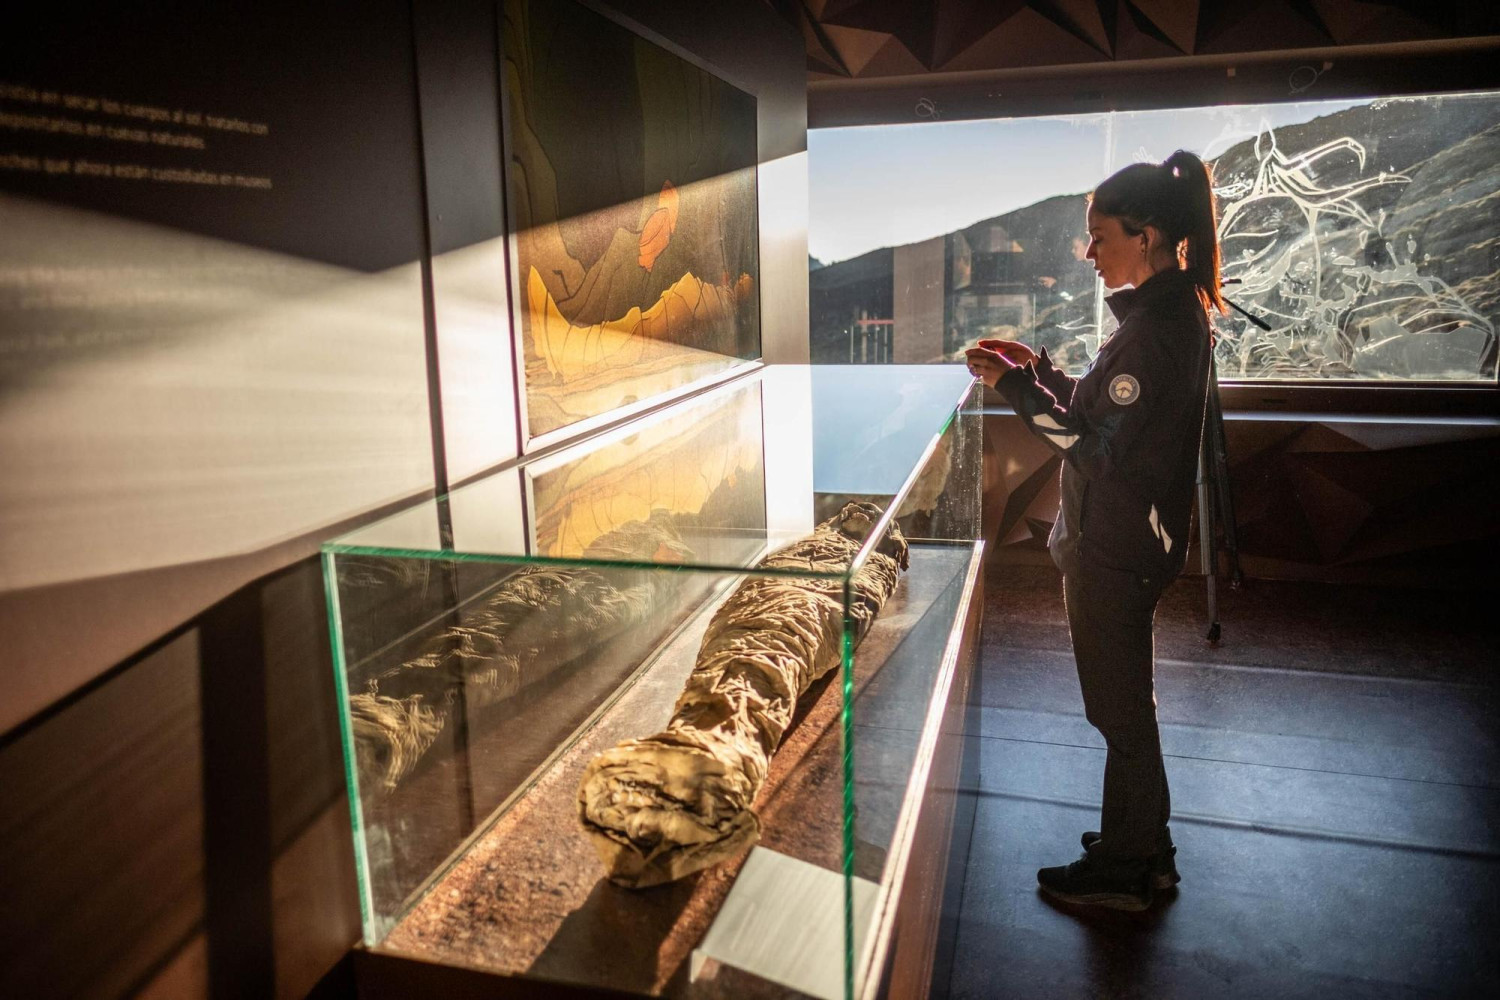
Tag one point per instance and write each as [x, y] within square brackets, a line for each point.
[654, 711]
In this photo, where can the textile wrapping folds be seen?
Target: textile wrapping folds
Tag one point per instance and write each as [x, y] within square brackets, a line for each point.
[674, 803]
[536, 622]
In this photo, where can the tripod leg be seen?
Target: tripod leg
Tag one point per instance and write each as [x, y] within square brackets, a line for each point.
[1219, 471]
[1207, 555]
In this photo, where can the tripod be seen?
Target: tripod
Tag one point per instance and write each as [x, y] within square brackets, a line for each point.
[1215, 504]
[1215, 499]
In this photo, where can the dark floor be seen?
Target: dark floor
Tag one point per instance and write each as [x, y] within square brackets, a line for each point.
[1335, 774]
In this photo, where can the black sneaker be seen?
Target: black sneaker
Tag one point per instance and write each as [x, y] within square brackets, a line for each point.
[1163, 866]
[1092, 883]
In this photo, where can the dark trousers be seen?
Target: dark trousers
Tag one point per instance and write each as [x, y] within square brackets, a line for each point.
[1110, 615]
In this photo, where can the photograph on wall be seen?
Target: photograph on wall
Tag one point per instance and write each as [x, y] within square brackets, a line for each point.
[631, 190]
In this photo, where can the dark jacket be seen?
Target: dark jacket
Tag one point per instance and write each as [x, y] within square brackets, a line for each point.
[1128, 430]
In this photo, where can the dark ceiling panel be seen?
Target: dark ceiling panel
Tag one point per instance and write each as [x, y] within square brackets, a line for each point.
[894, 58]
[1137, 36]
[856, 46]
[1025, 39]
[959, 23]
[1369, 23]
[914, 22]
[1257, 27]
[874, 39]
[1081, 18]
[1177, 21]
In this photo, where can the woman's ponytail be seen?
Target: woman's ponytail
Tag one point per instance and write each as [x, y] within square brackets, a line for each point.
[1177, 197]
[1198, 224]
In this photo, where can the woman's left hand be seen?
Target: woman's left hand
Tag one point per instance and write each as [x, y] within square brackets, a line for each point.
[988, 365]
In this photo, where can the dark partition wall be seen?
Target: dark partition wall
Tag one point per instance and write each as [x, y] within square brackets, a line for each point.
[212, 353]
[285, 127]
[211, 238]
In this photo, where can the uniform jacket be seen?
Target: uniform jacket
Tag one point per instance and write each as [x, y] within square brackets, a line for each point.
[1128, 431]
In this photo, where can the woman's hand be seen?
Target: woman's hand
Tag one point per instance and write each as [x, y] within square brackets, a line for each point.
[988, 364]
[1013, 351]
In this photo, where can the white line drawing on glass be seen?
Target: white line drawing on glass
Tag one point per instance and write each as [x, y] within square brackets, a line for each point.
[1342, 297]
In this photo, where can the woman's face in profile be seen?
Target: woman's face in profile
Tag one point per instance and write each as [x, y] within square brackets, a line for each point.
[1116, 255]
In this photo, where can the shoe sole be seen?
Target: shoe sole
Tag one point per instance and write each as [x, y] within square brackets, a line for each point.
[1159, 880]
[1110, 900]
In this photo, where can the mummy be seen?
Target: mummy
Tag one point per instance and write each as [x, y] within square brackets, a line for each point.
[532, 624]
[671, 804]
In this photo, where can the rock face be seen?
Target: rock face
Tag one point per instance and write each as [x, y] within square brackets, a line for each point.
[679, 801]
[1364, 237]
[1451, 209]
[1397, 135]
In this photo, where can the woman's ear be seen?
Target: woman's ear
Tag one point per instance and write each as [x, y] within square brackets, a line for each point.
[1151, 238]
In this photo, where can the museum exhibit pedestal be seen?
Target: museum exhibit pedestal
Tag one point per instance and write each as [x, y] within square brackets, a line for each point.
[474, 697]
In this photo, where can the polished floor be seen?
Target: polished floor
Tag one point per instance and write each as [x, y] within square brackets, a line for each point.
[1335, 774]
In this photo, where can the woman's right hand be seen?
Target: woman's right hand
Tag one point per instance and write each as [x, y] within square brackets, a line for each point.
[1013, 351]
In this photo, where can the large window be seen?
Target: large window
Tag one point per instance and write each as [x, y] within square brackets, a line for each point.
[1366, 234]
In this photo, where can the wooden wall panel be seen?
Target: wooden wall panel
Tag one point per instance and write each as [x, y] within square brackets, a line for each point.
[101, 826]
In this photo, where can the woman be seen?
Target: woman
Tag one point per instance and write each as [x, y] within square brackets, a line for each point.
[1128, 431]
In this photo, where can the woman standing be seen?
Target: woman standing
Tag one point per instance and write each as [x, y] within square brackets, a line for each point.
[1128, 431]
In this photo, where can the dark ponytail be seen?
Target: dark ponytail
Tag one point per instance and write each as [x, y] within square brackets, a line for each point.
[1200, 225]
[1177, 197]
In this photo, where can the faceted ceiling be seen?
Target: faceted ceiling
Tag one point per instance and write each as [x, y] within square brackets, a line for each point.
[866, 39]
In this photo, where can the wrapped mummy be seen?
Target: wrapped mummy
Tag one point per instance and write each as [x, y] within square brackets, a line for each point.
[671, 804]
[533, 623]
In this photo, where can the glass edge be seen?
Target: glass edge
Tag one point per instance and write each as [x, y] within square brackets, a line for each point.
[550, 444]
[846, 722]
[970, 404]
[873, 539]
[332, 549]
[888, 889]
[368, 919]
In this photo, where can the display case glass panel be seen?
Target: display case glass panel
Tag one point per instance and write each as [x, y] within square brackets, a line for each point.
[497, 646]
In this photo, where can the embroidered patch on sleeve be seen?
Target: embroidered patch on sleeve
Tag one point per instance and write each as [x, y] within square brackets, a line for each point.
[1124, 389]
